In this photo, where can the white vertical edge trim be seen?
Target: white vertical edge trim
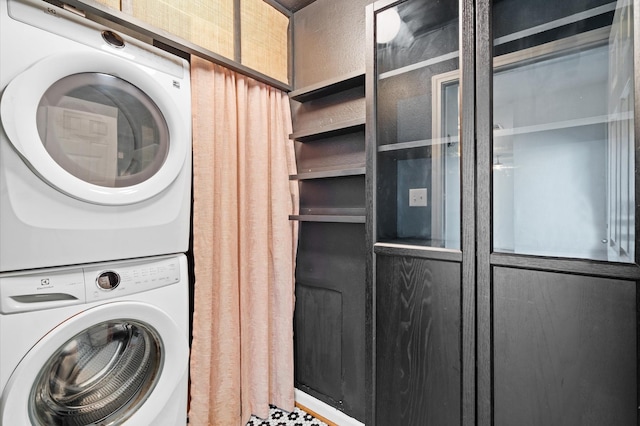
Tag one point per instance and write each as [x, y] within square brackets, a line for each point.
[325, 410]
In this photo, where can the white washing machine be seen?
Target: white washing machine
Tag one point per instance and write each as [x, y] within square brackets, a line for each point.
[99, 344]
[95, 145]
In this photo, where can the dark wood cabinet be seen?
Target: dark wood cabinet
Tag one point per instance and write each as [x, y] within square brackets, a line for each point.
[564, 349]
[418, 341]
[509, 297]
[329, 316]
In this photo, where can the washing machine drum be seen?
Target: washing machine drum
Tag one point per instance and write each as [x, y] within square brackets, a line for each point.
[100, 376]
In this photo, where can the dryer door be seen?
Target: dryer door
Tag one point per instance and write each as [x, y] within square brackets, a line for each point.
[115, 363]
[96, 127]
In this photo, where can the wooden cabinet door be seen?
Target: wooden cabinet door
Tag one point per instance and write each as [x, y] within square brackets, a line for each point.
[532, 317]
[557, 281]
[418, 341]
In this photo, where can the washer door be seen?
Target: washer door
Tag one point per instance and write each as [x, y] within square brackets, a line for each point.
[96, 127]
[111, 364]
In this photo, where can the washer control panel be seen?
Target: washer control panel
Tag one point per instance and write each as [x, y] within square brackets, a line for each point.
[57, 287]
[121, 279]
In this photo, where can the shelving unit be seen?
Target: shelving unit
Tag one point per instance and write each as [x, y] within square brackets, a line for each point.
[547, 154]
[329, 141]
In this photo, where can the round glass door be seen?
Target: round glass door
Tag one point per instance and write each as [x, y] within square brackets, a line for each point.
[100, 376]
[102, 129]
[99, 128]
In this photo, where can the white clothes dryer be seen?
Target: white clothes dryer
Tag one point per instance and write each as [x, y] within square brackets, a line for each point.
[99, 344]
[95, 145]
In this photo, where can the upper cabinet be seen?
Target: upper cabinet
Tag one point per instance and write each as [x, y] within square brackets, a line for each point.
[250, 32]
[206, 24]
[264, 38]
[114, 4]
[417, 125]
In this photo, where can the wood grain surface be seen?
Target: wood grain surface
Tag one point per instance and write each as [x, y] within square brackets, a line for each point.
[418, 342]
[564, 349]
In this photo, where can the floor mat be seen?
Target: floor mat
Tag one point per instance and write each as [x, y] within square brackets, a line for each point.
[278, 417]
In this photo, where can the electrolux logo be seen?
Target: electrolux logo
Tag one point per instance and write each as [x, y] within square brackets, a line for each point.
[45, 283]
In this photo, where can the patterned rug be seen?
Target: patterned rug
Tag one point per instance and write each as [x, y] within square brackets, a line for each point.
[278, 417]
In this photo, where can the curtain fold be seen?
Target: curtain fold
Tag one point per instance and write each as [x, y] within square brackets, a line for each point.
[244, 248]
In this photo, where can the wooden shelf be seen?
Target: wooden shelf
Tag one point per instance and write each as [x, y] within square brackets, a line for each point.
[503, 132]
[417, 248]
[498, 133]
[328, 87]
[354, 170]
[566, 124]
[418, 65]
[333, 129]
[400, 146]
[332, 211]
[328, 218]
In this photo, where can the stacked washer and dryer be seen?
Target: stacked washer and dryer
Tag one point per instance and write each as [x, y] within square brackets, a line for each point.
[95, 178]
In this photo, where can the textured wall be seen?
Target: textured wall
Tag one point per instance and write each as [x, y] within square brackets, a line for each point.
[329, 40]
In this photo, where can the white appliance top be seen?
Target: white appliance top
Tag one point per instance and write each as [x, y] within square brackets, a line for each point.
[55, 287]
[70, 25]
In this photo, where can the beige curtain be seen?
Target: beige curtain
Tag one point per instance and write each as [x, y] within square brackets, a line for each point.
[244, 248]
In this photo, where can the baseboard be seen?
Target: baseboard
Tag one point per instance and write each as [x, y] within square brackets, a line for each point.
[323, 411]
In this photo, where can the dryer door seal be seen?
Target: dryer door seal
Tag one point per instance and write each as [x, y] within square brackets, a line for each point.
[96, 127]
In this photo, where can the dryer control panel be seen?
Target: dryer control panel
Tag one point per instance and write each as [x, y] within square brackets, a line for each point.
[57, 287]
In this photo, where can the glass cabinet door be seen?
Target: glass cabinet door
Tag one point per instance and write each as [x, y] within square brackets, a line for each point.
[418, 263]
[417, 125]
[563, 138]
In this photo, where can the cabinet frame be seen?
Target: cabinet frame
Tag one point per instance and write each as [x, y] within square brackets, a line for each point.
[478, 260]
[465, 256]
[487, 260]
